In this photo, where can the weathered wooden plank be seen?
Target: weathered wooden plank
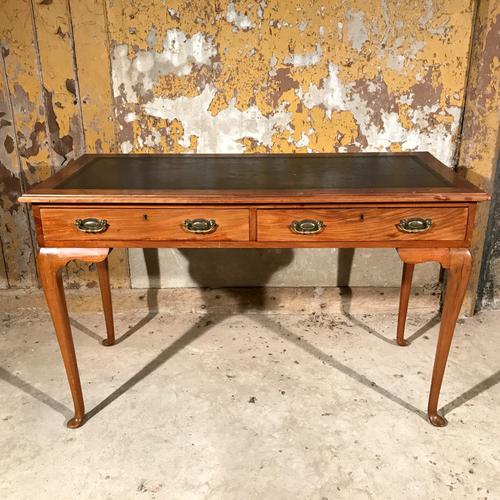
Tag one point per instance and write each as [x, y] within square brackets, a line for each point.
[62, 99]
[94, 74]
[20, 59]
[94, 78]
[14, 220]
[18, 255]
[60, 85]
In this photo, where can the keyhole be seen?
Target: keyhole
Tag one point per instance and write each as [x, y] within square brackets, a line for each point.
[361, 217]
[145, 216]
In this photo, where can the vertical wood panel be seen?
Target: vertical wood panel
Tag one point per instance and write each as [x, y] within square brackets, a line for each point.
[479, 148]
[20, 57]
[14, 221]
[23, 145]
[94, 77]
[62, 99]
[60, 85]
[94, 74]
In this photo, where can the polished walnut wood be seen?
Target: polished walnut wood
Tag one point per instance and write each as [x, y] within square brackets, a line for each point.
[154, 224]
[55, 226]
[344, 200]
[363, 224]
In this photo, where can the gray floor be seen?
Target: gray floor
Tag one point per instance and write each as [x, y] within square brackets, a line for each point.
[249, 407]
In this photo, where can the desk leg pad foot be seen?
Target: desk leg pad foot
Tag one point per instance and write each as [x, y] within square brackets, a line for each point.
[108, 343]
[74, 423]
[437, 420]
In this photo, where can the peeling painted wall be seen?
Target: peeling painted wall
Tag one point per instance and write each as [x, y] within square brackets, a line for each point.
[489, 290]
[227, 76]
[271, 76]
[479, 150]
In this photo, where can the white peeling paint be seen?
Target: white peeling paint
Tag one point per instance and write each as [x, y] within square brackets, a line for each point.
[456, 112]
[424, 135]
[356, 30]
[415, 47]
[151, 38]
[303, 141]
[153, 138]
[428, 14]
[340, 27]
[406, 99]
[224, 132]
[304, 60]
[126, 147]
[396, 62]
[273, 62]
[180, 53]
[261, 8]
[238, 20]
[302, 25]
[400, 54]
[330, 95]
[173, 13]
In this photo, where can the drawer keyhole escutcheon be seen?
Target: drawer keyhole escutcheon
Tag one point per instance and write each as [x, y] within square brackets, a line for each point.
[414, 225]
[91, 225]
[200, 226]
[307, 226]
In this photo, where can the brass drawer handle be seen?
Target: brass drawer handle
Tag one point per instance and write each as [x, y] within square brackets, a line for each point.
[414, 225]
[307, 226]
[200, 226]
[91, 225]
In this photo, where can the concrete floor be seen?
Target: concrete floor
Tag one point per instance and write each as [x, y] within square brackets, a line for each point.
[252, 406]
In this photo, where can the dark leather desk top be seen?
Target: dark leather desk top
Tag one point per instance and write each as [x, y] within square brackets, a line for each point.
[276, 173]
[295, 176]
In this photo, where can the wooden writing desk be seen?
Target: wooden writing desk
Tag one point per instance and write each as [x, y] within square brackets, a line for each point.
[408, 201]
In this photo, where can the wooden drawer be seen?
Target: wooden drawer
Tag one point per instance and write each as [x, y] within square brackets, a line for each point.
[362, 224]
[147, 224]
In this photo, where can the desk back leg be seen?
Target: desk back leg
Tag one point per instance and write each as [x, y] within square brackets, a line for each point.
[403, 302]
[103, 274]
[51, 262]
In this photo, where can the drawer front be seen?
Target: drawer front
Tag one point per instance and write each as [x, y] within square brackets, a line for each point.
[150, 224]
[361, 224]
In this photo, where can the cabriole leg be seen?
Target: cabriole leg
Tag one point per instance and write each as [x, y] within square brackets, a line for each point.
[51, 262]
[458, 277]
[458, 262]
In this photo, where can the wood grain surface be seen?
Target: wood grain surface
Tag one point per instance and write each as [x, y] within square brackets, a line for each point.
[362, 224]
[153, 224]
